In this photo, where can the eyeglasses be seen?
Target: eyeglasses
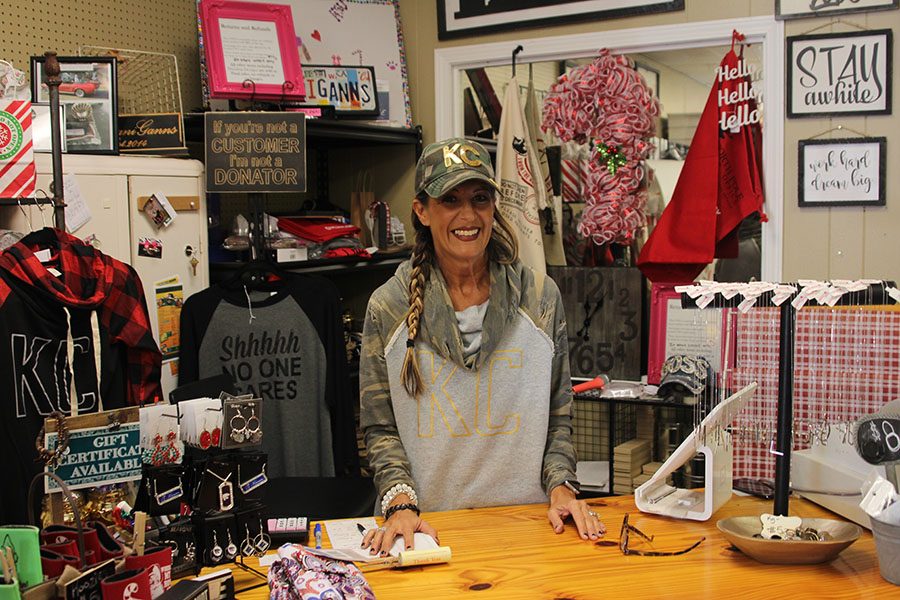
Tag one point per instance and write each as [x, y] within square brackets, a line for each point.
[627, 529]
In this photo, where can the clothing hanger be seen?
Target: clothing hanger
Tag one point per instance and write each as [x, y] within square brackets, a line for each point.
[257, 274]
[518, 49]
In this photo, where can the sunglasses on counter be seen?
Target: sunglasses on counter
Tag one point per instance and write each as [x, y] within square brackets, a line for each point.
[628, 529]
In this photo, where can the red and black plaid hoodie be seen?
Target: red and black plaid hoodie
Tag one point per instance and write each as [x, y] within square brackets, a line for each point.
[34, 372]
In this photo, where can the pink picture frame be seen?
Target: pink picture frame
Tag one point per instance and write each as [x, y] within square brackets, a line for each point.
[251, 51]
[660, 294]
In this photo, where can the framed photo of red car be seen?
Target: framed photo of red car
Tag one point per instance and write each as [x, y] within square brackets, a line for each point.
[88, 93]
[251, 51]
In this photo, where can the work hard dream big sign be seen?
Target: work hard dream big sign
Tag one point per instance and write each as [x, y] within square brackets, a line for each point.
[255, 152]
[840, 73]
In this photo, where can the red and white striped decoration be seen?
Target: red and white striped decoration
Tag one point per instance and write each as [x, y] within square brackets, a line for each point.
[17, 172]
[571, 180]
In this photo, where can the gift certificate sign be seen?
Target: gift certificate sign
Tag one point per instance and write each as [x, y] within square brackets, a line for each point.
[98, 456]
[251, 51]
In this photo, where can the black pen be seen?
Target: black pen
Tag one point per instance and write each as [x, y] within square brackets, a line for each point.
[362, 529]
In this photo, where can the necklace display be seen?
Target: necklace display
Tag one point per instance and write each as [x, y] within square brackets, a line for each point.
[226, 491]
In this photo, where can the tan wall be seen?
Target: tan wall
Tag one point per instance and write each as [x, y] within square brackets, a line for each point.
[818, 242]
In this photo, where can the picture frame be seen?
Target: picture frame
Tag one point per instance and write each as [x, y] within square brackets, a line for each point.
[350, 90]
[819, 83]
[88, 92]
[801, 9]
[841, 172]
[251, 51]
[41, 136]
[463, 18]
[673, 331]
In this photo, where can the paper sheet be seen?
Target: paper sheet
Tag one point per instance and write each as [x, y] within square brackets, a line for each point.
[345, 540]
[77, 211]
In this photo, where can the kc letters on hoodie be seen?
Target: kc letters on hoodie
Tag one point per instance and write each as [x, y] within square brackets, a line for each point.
[38, 300]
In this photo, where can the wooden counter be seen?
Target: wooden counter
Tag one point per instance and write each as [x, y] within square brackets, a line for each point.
[512, 553]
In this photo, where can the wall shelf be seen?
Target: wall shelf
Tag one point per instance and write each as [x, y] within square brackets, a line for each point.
[341, 265]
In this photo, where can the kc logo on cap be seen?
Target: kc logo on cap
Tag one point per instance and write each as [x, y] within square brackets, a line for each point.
[458, 154]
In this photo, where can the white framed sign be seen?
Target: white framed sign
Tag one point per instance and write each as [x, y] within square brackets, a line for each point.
[798, 9]
[842, 172]
[840, 74]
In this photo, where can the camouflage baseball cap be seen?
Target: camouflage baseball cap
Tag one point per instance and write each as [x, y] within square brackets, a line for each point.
[444, 165]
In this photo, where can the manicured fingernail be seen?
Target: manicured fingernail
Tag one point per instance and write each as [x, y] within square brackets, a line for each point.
[593, 536]
[408, 547]
[384, 552]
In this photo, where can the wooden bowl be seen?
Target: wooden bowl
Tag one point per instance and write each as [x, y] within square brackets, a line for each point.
[740, 531]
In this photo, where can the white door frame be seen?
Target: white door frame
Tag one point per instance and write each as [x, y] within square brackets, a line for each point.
[450, 62]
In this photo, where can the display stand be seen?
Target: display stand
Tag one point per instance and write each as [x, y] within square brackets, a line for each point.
[51, 70]
[874, 294]
[712, 440]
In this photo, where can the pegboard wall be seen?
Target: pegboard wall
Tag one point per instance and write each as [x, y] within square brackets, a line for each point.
[170, 26]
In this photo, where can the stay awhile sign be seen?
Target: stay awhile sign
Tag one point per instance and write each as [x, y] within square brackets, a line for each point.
[98, 456]
[840, 73]
[842, 172]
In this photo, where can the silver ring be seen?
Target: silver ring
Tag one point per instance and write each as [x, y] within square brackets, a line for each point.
[381, 529]
[592, 513]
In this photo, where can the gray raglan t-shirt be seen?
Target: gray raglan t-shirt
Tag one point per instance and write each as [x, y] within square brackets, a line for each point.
[279, 356]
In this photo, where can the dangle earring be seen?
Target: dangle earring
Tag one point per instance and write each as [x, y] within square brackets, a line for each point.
[247, 547]
[262, 542]
[216, 552]
[254, 427]
[238, 426]
[172, 451]
[205, 435]
[231, 550]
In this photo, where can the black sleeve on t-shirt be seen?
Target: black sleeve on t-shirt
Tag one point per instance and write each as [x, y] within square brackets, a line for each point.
[321, 301]
[196, 314]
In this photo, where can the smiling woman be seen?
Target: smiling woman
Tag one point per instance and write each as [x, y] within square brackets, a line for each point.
[449, 344]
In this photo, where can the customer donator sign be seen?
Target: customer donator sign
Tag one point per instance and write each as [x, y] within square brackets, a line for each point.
[98, 456]
[255, 152]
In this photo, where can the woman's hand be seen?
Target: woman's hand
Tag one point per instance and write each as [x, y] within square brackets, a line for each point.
[563, 503]
[402, 523]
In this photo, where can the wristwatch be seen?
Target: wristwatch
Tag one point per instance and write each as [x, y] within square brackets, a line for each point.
[573, 485]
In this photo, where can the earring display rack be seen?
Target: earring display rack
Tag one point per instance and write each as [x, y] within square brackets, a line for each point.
[872, 293]
[52, 74]
[248, 440]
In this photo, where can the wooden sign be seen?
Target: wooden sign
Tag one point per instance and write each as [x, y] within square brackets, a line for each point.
[98, 456]
[842, 172]
[603, 317]
[840, 73]
[261, 152]
[799, 9]
[158, 133]
[350, 90]
[87, 585]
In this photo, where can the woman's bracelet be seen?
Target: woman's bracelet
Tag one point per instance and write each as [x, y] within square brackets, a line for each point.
[398, 507]
[400, 488]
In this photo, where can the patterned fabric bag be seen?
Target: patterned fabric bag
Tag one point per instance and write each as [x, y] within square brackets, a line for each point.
[300, 575]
